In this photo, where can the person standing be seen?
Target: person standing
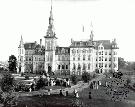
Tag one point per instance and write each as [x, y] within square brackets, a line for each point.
[90, 95]
[61, 92]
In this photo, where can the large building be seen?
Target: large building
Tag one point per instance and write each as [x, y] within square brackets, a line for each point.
[81, 56]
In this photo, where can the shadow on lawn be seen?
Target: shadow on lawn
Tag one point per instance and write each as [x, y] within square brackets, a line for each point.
[50, 101]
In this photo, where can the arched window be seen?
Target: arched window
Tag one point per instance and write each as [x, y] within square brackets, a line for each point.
[59, 58]
[48, 45]
[66, 66]
[78, 57]
[58, 66]
[83, 57]
[84, 67]
[63, 66]
[89, 57]
[63, 58]
[74, 67]
[79, 66]
[89, 66]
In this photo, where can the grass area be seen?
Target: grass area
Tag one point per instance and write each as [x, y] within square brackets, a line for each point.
[47, 101]
[101, 99]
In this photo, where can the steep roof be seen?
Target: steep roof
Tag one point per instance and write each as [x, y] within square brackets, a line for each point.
[29, 46]
[40, 50]
[106, 43]
[83, 44]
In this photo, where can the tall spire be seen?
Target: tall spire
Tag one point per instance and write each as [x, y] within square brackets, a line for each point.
[51, 15]
[50, 30]
[91, 34]
[21, 41]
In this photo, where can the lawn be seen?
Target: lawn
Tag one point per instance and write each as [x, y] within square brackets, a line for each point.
[101, 99]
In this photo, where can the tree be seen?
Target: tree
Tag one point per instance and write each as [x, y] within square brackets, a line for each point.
[40, 83]
[12, 64]
[7, 86]
[121, 63]
[85, 76]
[7, 82]
[74, 79]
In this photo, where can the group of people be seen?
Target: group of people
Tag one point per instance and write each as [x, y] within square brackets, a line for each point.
[95, 84]
[75, 93]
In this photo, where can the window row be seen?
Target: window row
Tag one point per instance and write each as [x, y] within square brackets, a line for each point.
[39, 59]
[30, 52]
[84, 58]
[109, 59]
[63, 67]
[81, 51]
[79, 67]
[28, 58]
[100, 65]
[63, 58]
[102, 52]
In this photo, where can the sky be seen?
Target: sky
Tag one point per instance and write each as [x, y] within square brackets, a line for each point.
[30, 18]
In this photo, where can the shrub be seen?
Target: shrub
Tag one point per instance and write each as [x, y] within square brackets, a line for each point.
[74, 79]
[128, 81]
[27, 77]
[7, 82]
[85, 76]
[40, 83]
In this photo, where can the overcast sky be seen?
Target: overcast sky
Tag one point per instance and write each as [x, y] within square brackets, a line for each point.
[29, 18]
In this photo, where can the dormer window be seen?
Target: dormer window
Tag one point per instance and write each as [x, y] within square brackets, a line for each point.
[63, 50]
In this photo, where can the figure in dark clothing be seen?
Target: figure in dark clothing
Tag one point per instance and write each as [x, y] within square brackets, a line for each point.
[66, 93]
[90, 95]
[61, 93]
[91, 85]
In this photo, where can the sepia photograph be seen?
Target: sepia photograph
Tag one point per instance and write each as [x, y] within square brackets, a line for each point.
[67, 53]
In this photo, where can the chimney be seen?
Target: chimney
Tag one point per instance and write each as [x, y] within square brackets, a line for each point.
[40, 42]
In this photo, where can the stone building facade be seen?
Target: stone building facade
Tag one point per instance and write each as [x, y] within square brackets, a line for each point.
[81, 56]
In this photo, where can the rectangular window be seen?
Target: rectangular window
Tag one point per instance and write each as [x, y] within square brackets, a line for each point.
[88, 66]
[78, 58]
[102, 52]
[89, 57]
[83, 57]
[73, 58]
[58, 58]
[110, 65]
[58, 66]
[99, 58]
[105, 53]
[109, 59]
[109, 53]
[114, 58]
[105, 59]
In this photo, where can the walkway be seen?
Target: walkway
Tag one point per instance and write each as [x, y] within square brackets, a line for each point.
[79, 87]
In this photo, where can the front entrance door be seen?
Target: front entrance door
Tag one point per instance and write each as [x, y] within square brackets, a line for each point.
[49, 69]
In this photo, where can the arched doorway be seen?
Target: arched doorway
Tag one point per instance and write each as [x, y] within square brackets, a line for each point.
[49, 69]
